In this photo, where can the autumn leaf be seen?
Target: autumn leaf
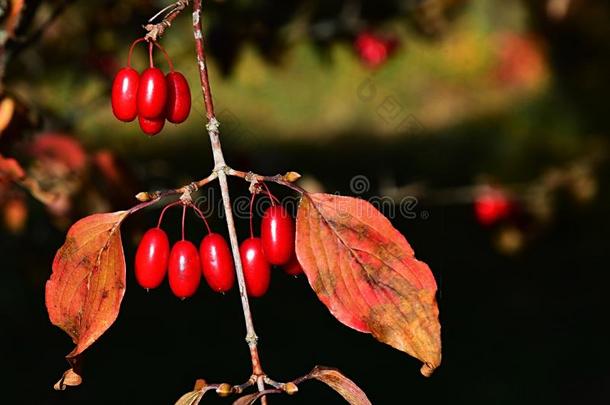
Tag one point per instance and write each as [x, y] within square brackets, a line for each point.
[252, 398]
[10, 169]
[340, 383]
[7, 108]
[194, 397]
[190, 398]
[70, 379]
[12, 21]
[84, 292]
[366, 273]
[61, 149]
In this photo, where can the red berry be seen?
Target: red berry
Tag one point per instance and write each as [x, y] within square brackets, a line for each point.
[184, 269]
[216, 263]
[152, 258]
[151, 126]
[178, 98]
[293, 267]
[492, 206]
[257, 270]
[124, 92]
[152, 93]
[374, 50]
[277, 235]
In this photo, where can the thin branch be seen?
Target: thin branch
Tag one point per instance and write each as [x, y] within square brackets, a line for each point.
[156, 30]
[189, 188]
[286, 179]
[220, 167]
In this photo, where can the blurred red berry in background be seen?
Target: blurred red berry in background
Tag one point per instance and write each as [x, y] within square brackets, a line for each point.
[492, 205]
[373, 49]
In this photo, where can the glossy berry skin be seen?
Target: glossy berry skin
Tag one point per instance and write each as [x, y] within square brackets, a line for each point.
[152, 258]
[184, 269]
[216, 262]
[152, 93]
[257, 270]
[293, 267]
[178, 98]
[151, 126]
[277, 235]
[124, 94]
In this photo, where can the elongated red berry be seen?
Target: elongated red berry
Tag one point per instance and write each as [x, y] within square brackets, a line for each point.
[216, 262]
[124, 94]
[151, 126]
[293, 267]
[257, 270]
[152, 93]
[178, 98]
[152, 258]
[184, 269]
[277, 235]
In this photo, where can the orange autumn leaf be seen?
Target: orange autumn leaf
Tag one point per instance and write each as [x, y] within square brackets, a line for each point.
[85, 290]
[13, 18]
[366, 273]
[10, 169]
[7, 108]
[59, 148]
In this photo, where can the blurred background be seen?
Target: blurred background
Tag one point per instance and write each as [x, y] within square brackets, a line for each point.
[481, 125]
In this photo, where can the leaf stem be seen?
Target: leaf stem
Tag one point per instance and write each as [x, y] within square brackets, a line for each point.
[220, 167]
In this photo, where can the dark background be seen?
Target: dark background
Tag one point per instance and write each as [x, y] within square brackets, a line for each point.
[521, 323]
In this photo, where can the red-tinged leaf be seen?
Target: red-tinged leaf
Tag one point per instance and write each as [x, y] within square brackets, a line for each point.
[12, 21]
[10, 169]
[87, 285]
[7, 108]
[61, 148]
[252, 398]
[366, 273]
[338, 382]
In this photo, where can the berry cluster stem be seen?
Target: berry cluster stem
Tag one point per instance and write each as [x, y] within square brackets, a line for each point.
[220, 169]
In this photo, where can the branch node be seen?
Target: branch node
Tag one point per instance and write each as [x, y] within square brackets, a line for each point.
[186, 196]
[253, 179]
[252, 340]
[212, 125]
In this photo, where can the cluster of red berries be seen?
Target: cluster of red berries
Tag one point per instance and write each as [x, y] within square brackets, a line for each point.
[184, 264]
[151, 96]
[275, 246]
